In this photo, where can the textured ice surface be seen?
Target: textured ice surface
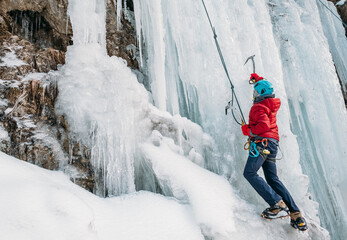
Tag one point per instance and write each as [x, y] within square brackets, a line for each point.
[318, 113]
[335, 33]
[100, 97]
[292, 52]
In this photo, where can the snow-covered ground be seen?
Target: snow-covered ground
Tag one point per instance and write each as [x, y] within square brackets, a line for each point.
[42, 204]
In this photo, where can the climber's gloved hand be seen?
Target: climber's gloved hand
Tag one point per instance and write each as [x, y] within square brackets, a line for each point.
[245, 130]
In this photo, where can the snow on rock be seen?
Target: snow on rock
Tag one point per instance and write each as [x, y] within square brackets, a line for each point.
[3, 132]
[42, 204]
[11, 60]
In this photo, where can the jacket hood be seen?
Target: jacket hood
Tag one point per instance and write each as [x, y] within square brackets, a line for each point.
[272, 103]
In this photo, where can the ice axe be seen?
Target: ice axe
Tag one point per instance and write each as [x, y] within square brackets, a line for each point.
[251, 57]
[251, 81]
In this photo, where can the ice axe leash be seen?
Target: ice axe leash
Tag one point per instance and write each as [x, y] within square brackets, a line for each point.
[230, 103]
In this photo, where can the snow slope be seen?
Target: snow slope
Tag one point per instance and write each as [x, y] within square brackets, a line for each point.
[41, 204]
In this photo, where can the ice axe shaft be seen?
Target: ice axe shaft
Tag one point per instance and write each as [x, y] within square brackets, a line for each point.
[251, 57]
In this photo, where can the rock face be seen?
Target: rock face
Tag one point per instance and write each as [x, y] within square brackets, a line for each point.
[27, 97]
[28, 17]
[45, 23]
[122, 42]
[34, 36]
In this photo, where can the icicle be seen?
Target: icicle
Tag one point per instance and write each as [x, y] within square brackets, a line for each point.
[138, 17]
[25, 27]
[70, 152]
[36, 23]
[125, 10]
[31, 30]
[14, 23]
[67, 24]
[44, 89]
[118, 3]
[39, 22]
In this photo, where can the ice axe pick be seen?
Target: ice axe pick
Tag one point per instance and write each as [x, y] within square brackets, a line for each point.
[252, 58]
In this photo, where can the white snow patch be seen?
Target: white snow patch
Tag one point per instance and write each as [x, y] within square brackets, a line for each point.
[11, 60]
[8, 110]
[3, 102]
[3, 133]
[34, 76]
[10, 83]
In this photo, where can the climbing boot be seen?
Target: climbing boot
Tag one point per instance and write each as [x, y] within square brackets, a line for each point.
[297, 221]
[279, 210]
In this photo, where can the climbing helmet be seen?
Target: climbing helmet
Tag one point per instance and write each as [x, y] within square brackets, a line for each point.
[263, 87]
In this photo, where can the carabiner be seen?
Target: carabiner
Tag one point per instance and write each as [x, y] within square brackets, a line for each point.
[247, 145]
[253, 151]
[264, 140]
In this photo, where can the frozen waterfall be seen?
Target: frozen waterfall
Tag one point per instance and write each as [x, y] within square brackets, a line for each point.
[292, 49]
[92, 98]
[167, 147]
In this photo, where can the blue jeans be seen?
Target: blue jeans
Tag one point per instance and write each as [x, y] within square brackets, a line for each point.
[273, 190]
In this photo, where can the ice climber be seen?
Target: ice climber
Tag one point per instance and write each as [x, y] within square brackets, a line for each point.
[263, 132]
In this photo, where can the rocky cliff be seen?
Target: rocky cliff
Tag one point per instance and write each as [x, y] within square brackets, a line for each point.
[34, 36]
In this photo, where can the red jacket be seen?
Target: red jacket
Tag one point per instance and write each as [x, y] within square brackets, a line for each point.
[262, 118]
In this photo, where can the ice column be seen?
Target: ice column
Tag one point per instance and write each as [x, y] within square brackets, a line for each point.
[149, 15]
[88, 21]
[100, 98]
